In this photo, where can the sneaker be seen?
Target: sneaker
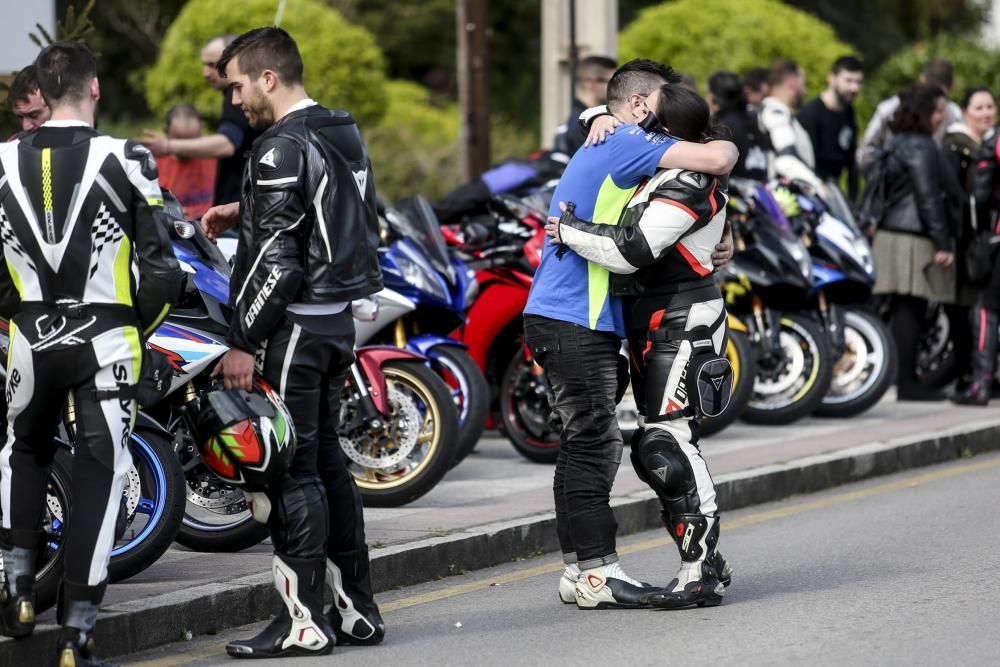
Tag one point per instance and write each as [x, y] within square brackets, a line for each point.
[567, 584]
[608, 587]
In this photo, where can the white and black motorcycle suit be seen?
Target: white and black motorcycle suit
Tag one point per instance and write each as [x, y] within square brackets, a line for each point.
[89, 271]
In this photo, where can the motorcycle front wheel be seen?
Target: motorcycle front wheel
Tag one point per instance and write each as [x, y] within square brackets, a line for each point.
[865, 371]
[469, 391]
[403, 455]
[525, 410]
[793, 379]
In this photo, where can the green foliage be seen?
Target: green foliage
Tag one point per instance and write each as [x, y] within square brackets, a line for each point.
[416, 148]
[75, 26]
[974, 66]
[344, 67]
[698, 37]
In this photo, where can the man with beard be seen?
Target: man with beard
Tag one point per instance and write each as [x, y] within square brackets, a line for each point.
[829, 119]
[792, 152]
[308, 246]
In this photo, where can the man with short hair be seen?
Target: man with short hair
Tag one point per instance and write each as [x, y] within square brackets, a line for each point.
[791, 150]
[26, 100]
[756, 86]
[574, 327]
[231, 141]
[592, 76]
[938, 72]
[81, 219]
[308, 246]
[832, 127]
[190, 180]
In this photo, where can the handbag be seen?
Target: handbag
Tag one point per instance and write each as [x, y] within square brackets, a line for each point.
[979, 254]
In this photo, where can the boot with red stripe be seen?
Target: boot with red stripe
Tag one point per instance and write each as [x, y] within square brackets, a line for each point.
[301, 628]
[704, 573]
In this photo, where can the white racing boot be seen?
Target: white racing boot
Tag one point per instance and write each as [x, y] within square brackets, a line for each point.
[608, 587]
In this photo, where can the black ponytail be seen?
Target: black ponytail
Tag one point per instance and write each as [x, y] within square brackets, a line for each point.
[685, 114]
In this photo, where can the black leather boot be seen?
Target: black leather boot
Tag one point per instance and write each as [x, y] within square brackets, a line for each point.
[17, 596]
[354, 615]
[300, 628]
[700, 579]
[77, 613]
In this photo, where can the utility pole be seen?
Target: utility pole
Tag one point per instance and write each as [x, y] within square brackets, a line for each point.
[472, 23]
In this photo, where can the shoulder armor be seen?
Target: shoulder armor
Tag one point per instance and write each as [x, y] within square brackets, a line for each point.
[138, 153]
[276, 157]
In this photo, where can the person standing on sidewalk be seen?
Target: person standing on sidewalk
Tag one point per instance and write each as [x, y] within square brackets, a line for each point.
[574, 328]
[829, 120]
[308, 242]
[81, 220]
[592, 76]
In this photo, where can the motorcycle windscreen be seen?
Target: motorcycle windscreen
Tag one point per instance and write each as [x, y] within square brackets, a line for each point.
[418, 223]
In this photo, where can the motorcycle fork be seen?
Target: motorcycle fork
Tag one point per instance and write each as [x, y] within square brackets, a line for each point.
[766, 330]
[366, 406]
[399, 333]
[832, 318]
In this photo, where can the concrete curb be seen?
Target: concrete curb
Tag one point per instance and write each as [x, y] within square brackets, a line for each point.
[139, 625]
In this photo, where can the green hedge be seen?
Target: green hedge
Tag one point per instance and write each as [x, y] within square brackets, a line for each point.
[344, 67]
[698, 37]
[974, 66]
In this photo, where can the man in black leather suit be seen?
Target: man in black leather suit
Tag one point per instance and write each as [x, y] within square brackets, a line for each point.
[308, 242]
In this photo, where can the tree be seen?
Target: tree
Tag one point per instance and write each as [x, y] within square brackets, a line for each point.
[344, 67]
[750, 35]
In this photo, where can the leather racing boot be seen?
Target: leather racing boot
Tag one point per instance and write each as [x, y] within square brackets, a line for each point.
[300, 628]
[354, 615]
[606, 586]
[17, 596]
[700, 581]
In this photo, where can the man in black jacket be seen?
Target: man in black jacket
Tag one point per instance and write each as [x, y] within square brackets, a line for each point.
[308, 242]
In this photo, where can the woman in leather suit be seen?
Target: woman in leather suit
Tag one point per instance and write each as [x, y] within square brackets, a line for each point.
[915, 242]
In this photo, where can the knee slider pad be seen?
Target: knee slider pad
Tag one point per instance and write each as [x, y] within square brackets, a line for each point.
[665, 466]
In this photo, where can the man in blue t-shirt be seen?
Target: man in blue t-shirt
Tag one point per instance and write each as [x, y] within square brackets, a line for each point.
[574, 328]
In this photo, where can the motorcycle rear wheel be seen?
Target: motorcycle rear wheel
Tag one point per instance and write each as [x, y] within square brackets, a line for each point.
[525, 410]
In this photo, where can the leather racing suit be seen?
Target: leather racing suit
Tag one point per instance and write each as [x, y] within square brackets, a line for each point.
[660, 252]
[308, 247]
[89, 269]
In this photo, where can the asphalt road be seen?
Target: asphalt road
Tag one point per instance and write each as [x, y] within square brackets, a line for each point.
[898, 570]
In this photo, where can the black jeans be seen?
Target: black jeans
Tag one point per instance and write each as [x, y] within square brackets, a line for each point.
[583, 368]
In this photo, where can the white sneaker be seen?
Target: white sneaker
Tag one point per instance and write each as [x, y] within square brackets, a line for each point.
[567, 584]
[609, 587]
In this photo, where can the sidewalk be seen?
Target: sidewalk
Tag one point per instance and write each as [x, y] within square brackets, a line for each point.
[497, 506]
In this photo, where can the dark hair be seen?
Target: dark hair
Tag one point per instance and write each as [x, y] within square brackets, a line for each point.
[684, 113]
[64, 71]
[727, 89]
[596, 62]
[939, 72]
[781, 70]
[916, 105]
[638, 77]
[23, 85]
[971, 92]
[265, 48]
[181, 111]
[756, 78]
[847, 64]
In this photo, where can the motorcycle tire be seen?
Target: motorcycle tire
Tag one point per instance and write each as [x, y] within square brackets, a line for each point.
[937, 361]
[415, 389]
[740, 352]
[161, 487]
[525, 411]
[469, 391]
[865, 371]
[49, 573]
[790, 384]
[241, 534]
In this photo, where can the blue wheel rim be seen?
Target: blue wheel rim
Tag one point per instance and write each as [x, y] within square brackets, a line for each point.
[153, 507]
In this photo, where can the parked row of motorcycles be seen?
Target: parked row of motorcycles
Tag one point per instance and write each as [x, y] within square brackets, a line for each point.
[440, 357]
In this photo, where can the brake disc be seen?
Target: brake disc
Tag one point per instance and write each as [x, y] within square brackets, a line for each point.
[133, 490]
[387, 447]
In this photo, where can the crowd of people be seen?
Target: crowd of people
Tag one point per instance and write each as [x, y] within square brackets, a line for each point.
[930, 164]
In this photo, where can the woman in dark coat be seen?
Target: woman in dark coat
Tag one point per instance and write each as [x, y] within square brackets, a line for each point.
[915, 243]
